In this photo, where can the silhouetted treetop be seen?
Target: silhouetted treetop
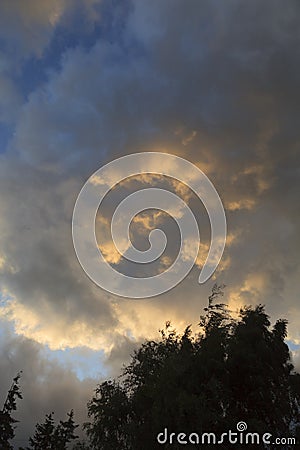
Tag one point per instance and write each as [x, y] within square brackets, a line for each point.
[233, 369]
[7, 422]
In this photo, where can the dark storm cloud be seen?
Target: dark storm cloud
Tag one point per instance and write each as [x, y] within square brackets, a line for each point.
[215, 82]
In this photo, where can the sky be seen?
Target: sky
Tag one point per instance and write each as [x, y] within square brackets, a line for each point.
[83, 82]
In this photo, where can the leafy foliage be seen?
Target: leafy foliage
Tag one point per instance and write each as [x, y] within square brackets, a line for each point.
[233, 370]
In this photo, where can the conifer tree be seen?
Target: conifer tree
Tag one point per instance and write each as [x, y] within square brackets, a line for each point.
[7, 422]
[49, 436]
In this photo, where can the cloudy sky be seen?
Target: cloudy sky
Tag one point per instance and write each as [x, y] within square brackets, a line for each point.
[83, 82]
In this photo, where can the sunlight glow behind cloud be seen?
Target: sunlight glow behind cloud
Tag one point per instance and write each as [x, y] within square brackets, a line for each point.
[205, 81]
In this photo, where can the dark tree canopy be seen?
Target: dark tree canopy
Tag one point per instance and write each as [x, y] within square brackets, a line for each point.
[234, 369]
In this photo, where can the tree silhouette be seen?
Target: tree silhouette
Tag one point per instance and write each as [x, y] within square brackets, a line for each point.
[49, 436]
[233, 370]
[259, 368]
[7, 422]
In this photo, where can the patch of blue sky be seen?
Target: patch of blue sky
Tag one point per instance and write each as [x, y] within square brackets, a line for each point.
[292, 345]
[86, 363]
[35, 70]
[79, 33]
[4, 299]
[6, 132]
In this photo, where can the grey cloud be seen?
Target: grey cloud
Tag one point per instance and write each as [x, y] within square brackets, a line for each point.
[28, 27]
[46, 385]
[229, 77]
[120, 355]
[10, 99]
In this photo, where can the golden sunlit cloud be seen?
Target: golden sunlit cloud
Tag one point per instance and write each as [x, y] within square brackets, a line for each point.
[240, 204]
